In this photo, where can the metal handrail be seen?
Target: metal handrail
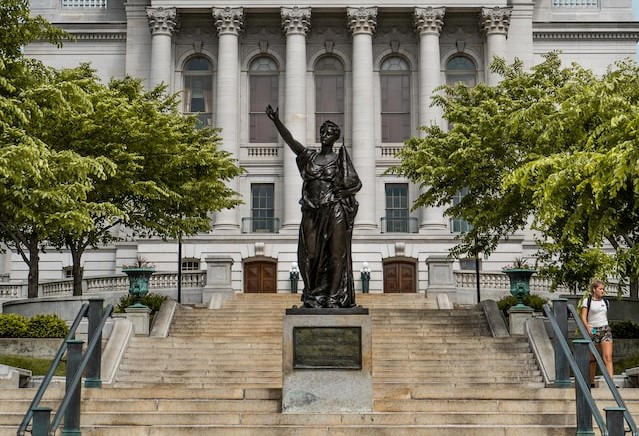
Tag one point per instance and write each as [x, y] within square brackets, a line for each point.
[49, 376]
[609, 381]
[70, 388]
[579, 378]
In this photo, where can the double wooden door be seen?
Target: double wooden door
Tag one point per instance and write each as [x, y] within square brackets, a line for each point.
[260, 276]
[400, 276]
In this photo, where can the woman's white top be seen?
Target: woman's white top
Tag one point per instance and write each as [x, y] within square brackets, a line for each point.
[598, 314]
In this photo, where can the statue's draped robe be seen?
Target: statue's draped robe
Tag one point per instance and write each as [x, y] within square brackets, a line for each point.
[324, 251]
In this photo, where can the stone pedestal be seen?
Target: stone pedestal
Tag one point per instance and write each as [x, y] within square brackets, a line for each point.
[517, 317]
[441, 279]
[327, 361]
[140, 318]
[218, 279]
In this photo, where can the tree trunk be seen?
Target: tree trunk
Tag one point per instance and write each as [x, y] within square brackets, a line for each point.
[76, 255]
[634, 288]
[34, 271]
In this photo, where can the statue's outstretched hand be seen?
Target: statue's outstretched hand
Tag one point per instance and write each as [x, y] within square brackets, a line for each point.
[273, 114]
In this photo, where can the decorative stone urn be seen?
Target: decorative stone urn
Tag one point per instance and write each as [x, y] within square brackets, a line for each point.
[519, 284]
[138, 282]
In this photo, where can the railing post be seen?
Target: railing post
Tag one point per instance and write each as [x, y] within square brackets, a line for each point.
[96, 311]
[41, 421]
[584, 414]
[562, 368]
[72, 414]
[614, 420]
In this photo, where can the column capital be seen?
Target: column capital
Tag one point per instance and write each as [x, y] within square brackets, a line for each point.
[162, 20]
[296, 20]
[495, 20]
[229, 20]
[429, 20]
[362, 20]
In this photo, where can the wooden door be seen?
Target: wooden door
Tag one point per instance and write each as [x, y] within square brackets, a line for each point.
[400, 276]
[260, 277]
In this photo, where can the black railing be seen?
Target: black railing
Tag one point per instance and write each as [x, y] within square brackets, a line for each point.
[260, 225]
[400, 225]
[586, 408]
[76, 364]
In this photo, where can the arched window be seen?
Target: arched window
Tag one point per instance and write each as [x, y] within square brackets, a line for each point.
[395, 88]
[461, 69]
[329, 92]
[263, 90]
[198, 89]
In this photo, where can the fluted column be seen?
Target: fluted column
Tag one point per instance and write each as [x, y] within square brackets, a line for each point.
[428, 23]
[162, 23]
[362, 24]
[296, 23]
[229, 23]
[495, 22]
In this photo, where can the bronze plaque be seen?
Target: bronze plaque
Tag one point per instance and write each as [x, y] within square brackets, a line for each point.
[327, 347]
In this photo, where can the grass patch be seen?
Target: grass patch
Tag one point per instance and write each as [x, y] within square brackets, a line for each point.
[36, 366]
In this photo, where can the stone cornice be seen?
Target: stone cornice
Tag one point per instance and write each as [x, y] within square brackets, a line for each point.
[296, 20]
[429, 20]
[362, 20]
[595, 31]
[229, 20]
[99, 36]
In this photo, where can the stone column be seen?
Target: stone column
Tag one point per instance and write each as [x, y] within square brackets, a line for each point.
[362, 23]
[296, 23]
[428, 23]
[495, 22]
[229, 23]
[162, 23]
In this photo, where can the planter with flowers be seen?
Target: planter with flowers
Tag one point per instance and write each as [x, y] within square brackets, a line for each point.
[519, 274]
[139, 275]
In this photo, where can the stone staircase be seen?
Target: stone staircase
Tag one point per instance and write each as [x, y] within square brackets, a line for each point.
[435, 372]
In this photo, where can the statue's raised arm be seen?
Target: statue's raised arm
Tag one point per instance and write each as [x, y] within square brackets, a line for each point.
[286, 135]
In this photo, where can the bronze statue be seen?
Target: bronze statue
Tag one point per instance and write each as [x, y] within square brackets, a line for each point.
[328, 212]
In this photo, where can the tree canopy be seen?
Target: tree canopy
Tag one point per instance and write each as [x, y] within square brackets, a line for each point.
[78, 157]
[555, 143]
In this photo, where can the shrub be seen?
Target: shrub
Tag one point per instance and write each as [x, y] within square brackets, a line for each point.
[151, 300]
[46, 326]
[13, 325]
[624, 330]
[534, 301]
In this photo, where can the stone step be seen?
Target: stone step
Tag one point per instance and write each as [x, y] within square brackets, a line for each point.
[321, 430]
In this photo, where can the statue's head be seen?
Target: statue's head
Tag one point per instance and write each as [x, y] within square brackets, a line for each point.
[331, 127]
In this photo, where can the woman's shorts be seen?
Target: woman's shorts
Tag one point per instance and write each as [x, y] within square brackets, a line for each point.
[603, 334]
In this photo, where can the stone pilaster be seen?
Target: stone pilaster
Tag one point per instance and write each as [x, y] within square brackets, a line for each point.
[362, 23]
[296, 23]
[163, 23]
[494, 23]
[229, 23]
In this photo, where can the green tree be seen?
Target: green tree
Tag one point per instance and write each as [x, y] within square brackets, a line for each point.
[39, 187]
[169, 174]
[517, 148]
[587, 195]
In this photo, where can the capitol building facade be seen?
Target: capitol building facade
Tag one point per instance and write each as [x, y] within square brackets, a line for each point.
[370, 67]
